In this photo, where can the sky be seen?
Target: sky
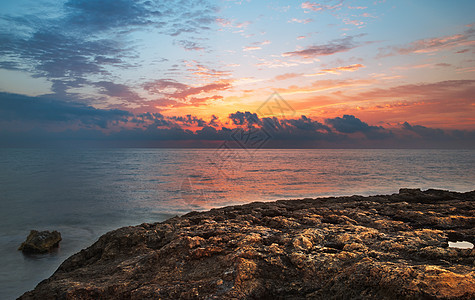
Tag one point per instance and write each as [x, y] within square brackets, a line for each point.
[303, 74]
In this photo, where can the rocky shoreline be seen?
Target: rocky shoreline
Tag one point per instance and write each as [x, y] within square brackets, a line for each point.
[378, 247]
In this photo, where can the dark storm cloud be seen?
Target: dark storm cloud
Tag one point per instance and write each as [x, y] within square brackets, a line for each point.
[39, 120]
[245, 118]
[152, 120]
[298, 130]
[26, 109]
[307, 124]
[348, 124]
[351, 124]
[423, 131]
[190, 120]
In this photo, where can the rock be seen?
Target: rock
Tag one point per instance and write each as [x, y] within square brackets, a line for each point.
[379, 247]
[40, 241]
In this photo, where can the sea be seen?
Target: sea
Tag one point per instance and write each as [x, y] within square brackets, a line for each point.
[84, 193]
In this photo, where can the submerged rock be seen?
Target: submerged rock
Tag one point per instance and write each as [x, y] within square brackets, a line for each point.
[40, 241]
[379, 247]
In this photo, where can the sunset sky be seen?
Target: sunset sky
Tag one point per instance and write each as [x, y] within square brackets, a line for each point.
[381, 73]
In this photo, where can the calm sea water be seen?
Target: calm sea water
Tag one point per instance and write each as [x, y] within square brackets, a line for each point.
[87, 192]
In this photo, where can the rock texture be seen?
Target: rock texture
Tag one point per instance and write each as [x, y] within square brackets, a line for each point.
[379, 247]
[40, 241]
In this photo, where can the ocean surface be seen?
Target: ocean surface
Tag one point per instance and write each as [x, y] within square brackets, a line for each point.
[84, 193]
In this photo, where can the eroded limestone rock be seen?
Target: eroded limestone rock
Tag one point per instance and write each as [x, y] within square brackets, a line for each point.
[380, 247]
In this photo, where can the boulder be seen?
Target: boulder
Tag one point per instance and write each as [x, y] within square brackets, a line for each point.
[40, 241]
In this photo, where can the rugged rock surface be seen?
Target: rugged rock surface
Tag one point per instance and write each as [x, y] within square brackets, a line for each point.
[40, 241]
[379, 247]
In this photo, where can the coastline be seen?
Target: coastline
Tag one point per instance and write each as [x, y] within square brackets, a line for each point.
[385, 246]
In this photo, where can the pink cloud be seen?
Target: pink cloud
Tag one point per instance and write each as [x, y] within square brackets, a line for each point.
[301, 21]
[431, 45]
[353, 22]
[287, 76]
[251, 48]
[178, 94]
[313, 6]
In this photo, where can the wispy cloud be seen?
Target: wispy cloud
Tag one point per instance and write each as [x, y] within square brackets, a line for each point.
[232, 23]
[251, 48]
[189, 45]
[90, 38]
[324, 85]
[287, 76]
[206, 73]
[357, 7]
[442, 89]
[333, 47]
[353, 22]
[424, 46]
[256, 46]
[179, 94]
[337, 70]
[314, 6]
[301, 21]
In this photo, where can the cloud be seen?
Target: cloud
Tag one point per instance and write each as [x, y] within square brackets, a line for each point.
[245, 118]
[24, 111]
[351, 124]
[313, 6]
[432, 45]
[33, 121]
[423, 131]
[446, 104]
[232, 24]
[251, 48]
[353, 22]
[449, 89]
[200, 89]
[86, 38]
[108, 14]
[333, 47]
[287, 76]
[49, 53]
[189, 45]
[357, 7]
[118, 90]
[301, 21]
[324, 85]
[190, 120]
[256, 46]
[307, 124]
[206, 73]
[337, 70]
[182, 93]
